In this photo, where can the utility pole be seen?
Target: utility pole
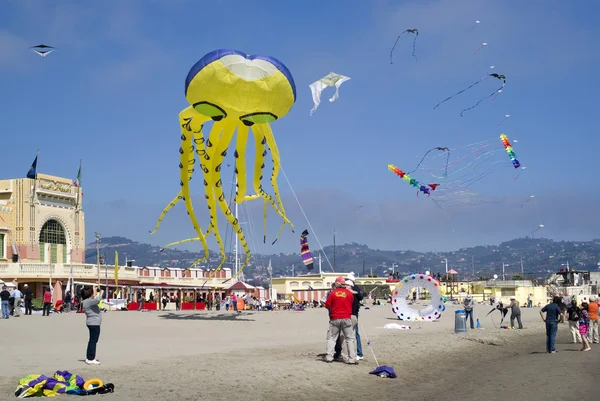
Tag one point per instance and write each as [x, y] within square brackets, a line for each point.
[503, 271]
[521, 265]
[293, 275]
[334, 249]
[320, 271]
[97, 235]
[473, 265]
[363, 267]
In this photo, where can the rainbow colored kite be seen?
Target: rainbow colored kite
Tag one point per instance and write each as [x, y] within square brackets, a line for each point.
[510, 151]
[426, 189]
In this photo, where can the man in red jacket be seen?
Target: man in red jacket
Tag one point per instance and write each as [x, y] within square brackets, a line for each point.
[339, 303]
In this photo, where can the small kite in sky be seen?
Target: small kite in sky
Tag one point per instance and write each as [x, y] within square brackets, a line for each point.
[317, 87]
[42, 50]
[416, 32]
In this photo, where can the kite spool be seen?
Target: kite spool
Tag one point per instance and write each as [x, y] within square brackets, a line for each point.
[405, 312]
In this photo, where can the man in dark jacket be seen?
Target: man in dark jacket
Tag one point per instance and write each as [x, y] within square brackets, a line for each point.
[28, 294]
[355, 289]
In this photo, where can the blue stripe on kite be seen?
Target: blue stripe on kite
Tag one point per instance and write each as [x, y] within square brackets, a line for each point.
[217, 54]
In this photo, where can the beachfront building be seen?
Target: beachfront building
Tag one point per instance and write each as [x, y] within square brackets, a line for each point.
[311, 287]
[41, 220]
[42, 242]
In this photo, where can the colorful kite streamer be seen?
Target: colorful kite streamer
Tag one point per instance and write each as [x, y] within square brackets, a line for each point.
[510, 151]
[305, 251]
[426, 189]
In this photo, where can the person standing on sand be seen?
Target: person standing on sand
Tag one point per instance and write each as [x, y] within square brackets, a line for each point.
[593, 312]
[515, 313]
[91, 300]
[468, 304]
[339, 303]
[357, 297]
[28, 298]
[553, 314]
[17, 295]
[584, 324]
[47, 302]
[573, 317]
[4, 296]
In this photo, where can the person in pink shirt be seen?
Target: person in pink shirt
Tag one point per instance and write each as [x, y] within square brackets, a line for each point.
[47, 302]
[234, 302]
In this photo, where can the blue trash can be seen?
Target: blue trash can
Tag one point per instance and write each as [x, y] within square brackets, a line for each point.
[460, 321]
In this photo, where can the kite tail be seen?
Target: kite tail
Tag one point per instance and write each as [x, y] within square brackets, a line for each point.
[458, 93]
[395, 43]
[481, 100]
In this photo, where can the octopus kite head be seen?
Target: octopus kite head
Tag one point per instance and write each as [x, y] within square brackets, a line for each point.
[228, 84]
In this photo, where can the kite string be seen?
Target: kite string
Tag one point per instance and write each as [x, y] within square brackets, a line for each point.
[305, 216]
[368, 343]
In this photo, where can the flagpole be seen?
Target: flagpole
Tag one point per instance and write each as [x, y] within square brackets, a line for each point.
[32, 207]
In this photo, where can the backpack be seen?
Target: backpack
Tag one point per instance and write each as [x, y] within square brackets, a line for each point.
[573, 314]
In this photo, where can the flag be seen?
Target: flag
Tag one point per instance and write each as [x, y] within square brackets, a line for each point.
[77, 182]
[32, 173]
[116, 274]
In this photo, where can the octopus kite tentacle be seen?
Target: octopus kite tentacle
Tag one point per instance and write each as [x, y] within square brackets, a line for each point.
[186, 148]
[190, 166]
[240, 162]
[266, 132]
[221, 152]
[259, 164]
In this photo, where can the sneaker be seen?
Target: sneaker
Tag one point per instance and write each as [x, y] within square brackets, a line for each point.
[92, 362]
[358, 358]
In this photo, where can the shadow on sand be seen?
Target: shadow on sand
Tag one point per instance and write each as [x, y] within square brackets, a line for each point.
[234, 317]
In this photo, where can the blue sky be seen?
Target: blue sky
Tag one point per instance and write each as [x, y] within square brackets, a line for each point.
[111, 92]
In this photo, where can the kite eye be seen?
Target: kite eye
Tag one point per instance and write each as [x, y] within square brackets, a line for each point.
[258, 118]
[210, 110]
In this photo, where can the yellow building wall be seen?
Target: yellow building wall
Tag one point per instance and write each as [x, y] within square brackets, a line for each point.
[21, 220]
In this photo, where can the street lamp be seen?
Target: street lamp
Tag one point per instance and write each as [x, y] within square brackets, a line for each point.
[445, 261]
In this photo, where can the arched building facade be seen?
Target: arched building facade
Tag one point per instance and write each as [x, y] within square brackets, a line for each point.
[41, 220]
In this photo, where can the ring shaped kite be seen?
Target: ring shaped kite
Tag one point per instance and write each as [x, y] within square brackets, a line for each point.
[238, 93]
[406, 312]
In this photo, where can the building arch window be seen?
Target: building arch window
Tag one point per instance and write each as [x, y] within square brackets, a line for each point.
[53, 241]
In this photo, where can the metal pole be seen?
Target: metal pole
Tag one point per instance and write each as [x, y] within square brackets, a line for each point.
[334, 249]
[521, 265]
[236, 239]
[503, 273]
[98, 254]
[320, 271]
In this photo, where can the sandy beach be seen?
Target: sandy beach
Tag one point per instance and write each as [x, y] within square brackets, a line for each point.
[276, 356]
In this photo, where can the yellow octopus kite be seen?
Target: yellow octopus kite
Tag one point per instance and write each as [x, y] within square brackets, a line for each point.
[236, 92]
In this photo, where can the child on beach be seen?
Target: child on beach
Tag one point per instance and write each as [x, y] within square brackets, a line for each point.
[91, 299]
[584, 324]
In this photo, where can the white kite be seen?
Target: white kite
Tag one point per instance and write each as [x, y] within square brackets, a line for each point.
[332, 79]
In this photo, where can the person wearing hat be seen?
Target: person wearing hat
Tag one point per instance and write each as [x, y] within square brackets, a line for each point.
[469, 304]
[28, 295]
[339, 303]
[515, 313]
[357, 297]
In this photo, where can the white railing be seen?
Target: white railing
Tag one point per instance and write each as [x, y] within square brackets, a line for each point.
[26, 270]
